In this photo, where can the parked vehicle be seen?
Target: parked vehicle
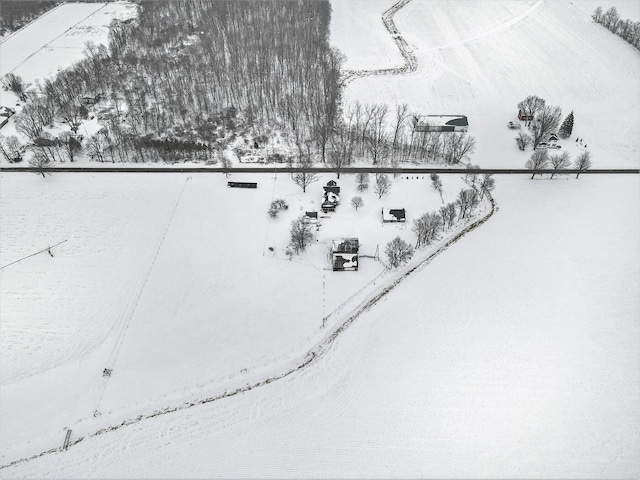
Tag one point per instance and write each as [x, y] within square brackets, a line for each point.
[513, 125]
[543, 145]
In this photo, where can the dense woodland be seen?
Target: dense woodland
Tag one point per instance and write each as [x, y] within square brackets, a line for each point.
[193, 79]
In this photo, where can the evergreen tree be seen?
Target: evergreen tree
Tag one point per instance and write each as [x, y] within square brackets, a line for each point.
[567, 126]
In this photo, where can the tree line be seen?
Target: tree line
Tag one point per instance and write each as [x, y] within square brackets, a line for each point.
[388, 138]
[181, 66]
[626, 29]
[429, 226]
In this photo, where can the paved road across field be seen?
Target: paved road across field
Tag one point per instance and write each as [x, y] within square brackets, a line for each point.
[347, 170]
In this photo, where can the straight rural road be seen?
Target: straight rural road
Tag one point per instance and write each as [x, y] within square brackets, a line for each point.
[347, 170]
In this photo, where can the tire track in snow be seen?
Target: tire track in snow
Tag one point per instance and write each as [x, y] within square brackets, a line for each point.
[113, 357]
[498, 28]
[320, 349]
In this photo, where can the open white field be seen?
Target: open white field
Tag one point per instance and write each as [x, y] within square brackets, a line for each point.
[171, 282]
[56, 40]
[480, 58]
[515, 354]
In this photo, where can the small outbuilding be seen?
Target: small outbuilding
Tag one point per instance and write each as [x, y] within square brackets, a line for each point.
[393, 215]
[311, 217]
[523, 116]
[552, 137]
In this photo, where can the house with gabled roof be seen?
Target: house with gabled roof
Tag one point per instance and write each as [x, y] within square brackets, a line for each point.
[344, 253]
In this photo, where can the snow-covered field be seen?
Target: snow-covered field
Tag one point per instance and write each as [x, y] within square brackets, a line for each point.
[179, 284]
[56, 40]
[480, 58]
[514, 353]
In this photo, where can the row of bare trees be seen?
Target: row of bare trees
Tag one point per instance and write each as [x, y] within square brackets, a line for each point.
[387, 138]
[431, 224]
[542, 160]
[627, 29]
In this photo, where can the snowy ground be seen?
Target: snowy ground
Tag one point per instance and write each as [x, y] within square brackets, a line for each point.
[481, 58]
[534, 374]
[170, 281]
[56, 40]
[513, 354]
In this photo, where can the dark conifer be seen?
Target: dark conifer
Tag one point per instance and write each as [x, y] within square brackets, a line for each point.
[567, 126]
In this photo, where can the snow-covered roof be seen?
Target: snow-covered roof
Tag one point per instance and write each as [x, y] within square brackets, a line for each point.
[345, 245]
[440, 120]
[393, 215]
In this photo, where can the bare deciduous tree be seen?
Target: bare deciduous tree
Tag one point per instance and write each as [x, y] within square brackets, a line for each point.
[305, 176]
[457, 147]
[559, 162]
[546, 122]
[14, 83]
[301, 235]
[487, 184]
[39, 162]
[523, 140]
[530, 106]
[451, 213]
[426, 228]
[363, 181]
[467, 201]
[357, 202]
[436, 183]
[538, 161]
[11, 148]
[377, 137]
[398, 252]
[383, 185]
[70, 145]
[582, 162]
